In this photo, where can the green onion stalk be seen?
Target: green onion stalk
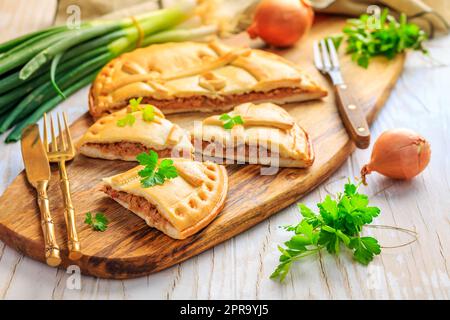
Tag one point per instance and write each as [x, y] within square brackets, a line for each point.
[41, 69]
[16, 133]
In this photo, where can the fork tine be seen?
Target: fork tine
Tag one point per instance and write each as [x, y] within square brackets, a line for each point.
[67, 131]
[54, 146]
[45, 133]
[317, 56]
[325, 55]
[62, 136]
[333, 53]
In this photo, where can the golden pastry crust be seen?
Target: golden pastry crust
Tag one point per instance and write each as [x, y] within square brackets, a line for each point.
[190, 76]
[269, 135]
[106, 140]
[181, 206]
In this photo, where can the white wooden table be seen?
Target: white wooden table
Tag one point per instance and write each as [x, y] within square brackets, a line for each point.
[240, 267]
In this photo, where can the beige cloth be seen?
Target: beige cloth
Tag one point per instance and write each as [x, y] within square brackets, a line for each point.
[91, 9]
[431, 15]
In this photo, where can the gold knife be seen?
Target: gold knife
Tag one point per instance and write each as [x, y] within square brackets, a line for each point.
[38, 174]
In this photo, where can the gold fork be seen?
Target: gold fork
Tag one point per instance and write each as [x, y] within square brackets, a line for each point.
[60, 150]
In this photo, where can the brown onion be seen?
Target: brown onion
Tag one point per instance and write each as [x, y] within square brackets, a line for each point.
[398, 154]
[281, 23]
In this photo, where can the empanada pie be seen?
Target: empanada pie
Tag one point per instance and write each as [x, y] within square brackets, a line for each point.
[265, 134]
[124, 134]
[180, 206]
[191, 76]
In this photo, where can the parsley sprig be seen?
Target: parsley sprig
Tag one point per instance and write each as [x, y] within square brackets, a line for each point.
[338, 223]
[154, 173]
[369, 36]
[98, 223]
[229, 121]
[148, 113]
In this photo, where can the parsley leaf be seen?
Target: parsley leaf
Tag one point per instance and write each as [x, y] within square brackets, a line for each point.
[153, 174]
[167, 169]
[370, 36]
[337, 40]
[148, 159]
[338, 224]
[98, 223]
[229, 121]
[365, 249]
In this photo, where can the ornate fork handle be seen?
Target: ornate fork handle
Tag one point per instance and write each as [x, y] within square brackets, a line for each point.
[69, 214]
[52, 256]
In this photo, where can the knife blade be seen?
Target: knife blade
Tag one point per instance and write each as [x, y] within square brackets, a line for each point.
[37, 169]
[34, 156]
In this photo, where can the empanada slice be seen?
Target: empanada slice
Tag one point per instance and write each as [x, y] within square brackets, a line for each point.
[181, 206]
[268, 136]
[191, 76]
[106, 139]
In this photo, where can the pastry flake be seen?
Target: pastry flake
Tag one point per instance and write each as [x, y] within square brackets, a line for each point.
[268, 135]
[181, 206]
[190, 76]
[114, 137]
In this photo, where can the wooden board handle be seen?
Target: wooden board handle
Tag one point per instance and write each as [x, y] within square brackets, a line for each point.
[52, 256]
[73, 243]
[353, 117]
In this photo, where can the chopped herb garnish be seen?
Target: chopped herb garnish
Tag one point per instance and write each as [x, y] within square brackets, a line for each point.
[153, 173]
[229, 121]
[98, 223]
[129, 120]
[135, 104]
[339, 222]
[148, 114]
[370, 36]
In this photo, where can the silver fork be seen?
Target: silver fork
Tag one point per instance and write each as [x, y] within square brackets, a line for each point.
[60, 150]
[327, 62]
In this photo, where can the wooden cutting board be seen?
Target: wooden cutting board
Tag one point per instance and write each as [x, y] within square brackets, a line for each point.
[129, 248]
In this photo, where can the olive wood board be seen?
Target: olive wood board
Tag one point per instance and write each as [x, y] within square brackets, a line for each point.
[129, 248]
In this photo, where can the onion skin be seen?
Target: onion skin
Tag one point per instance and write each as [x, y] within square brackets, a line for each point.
[398, 154]
[281, 23]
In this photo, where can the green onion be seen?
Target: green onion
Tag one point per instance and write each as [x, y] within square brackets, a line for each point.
[12, 81]
[160, 20]
[46, 91]
[4, 47]
[11, 61]
[59, 47]
[30, 42]
[53, 74]
[16, 133]
[6, 100]
[38, 70]
[176, 35]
